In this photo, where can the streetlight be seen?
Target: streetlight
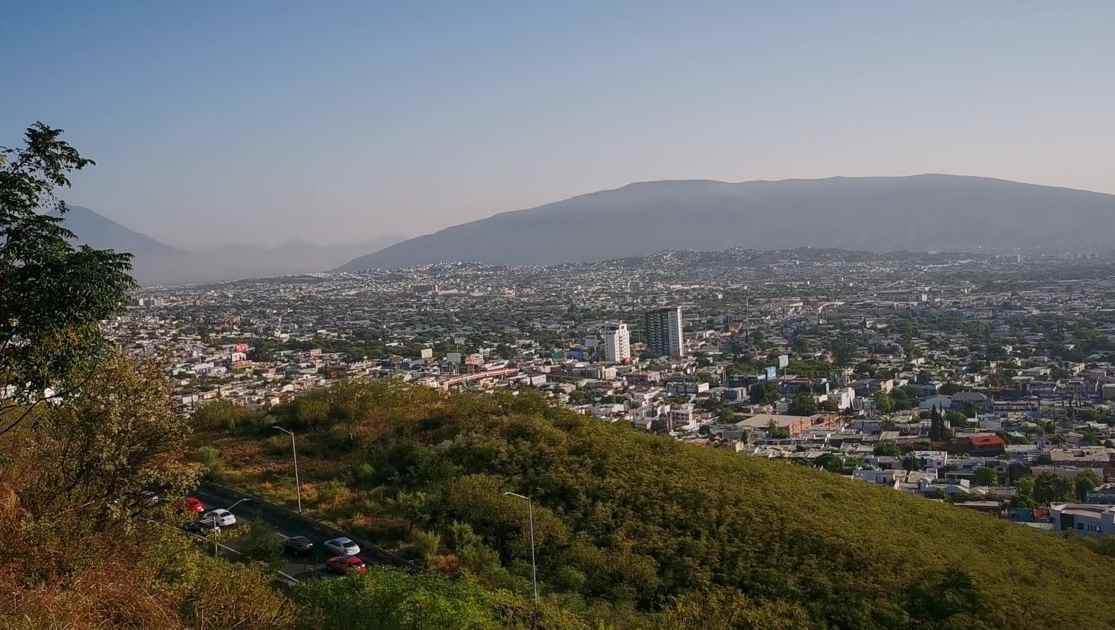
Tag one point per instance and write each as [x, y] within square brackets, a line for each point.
[229, 508]
[294, 451]
[533, 564]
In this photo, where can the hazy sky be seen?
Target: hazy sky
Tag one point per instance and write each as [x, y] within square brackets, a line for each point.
[266, 121]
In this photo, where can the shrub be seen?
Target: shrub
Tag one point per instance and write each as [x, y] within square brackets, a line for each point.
[262, 543]
[211, 463]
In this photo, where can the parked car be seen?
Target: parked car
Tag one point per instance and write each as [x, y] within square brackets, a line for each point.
[342, 546]
[220, 516]
[192, 504]
[298, 545]
[202, 526]
[346, 565]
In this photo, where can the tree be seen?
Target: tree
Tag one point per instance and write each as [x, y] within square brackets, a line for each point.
[261, 542]
[76, 477]
[220, 414]
[1086, 481]
[947, 597]
[937, 430]
[109, 448]
[765, 393]
[986, 476]
[887, 449]
[884, 402]
[904, 398]
[212, 466]
[956, 419]
[842, 352]
[1051, 488]
[53, 295]
[830, 462]
[1025, 496]
[803, 405]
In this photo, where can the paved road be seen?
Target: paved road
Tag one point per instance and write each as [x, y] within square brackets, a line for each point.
[288, 523]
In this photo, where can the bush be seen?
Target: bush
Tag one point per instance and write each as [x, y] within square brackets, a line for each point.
[887, 449]
[427, 544]
[389, 599]
[211, 463]
[364, 476]
[262, 543]
[222, 415]
[330, 492]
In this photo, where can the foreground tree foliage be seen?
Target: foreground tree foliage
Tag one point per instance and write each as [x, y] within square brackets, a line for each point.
[109, 446]
[89, 440]
[53, 294]
[81, 543]
[635, 530]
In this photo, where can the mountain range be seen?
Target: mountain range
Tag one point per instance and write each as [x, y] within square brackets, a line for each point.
[156, 262]
[914, 213]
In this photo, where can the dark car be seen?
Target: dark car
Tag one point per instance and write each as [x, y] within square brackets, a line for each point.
[298, 545]
[202, 526]
[346, 565]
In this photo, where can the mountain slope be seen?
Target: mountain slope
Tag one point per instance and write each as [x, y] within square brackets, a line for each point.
[153, 261]
[921, 212]
[631, 525]
[158, 263]
[99, 231]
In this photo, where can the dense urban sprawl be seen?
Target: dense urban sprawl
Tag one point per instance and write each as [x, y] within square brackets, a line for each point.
[982, 380]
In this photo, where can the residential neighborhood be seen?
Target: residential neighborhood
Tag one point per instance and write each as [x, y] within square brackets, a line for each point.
[955, 378]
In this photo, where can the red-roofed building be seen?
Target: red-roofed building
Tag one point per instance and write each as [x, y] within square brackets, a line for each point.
[985, 445]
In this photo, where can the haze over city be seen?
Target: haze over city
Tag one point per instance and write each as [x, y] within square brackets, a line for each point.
[258, 123]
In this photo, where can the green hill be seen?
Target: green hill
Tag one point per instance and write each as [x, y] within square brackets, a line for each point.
[636, 529]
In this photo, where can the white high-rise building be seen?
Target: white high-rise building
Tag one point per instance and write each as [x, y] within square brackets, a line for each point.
[617, 342]
[663, 332]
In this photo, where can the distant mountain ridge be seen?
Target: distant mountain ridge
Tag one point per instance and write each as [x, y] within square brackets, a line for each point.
[915, 213]
[158, 263]
[99, 231]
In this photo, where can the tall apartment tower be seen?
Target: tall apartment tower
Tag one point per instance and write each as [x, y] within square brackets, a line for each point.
[663, 332]
[617, 342]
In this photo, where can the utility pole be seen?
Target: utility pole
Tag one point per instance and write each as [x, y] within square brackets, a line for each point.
[294, 452]
[533, 564]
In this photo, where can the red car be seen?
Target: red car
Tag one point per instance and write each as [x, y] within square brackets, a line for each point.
[192, 504]
[346, 565]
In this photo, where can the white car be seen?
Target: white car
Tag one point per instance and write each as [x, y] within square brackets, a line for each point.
[220, 517]
[342, 546]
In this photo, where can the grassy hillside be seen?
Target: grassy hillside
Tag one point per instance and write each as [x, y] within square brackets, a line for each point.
[636, 529]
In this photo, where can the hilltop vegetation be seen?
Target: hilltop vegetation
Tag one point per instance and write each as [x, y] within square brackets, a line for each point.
[635, 529]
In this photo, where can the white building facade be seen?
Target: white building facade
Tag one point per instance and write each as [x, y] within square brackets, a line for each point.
[617, 343]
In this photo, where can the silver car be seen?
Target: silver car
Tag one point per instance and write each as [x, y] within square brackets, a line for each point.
[342, 546]
[220, 517]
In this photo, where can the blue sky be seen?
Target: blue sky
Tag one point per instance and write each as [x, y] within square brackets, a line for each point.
[267, 121]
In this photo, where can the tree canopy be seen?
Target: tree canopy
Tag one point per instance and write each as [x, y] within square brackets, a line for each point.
[53, 293]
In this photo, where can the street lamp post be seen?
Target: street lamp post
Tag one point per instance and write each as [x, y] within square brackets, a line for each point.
[294, 452]
[229, 508]
[533, 564]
